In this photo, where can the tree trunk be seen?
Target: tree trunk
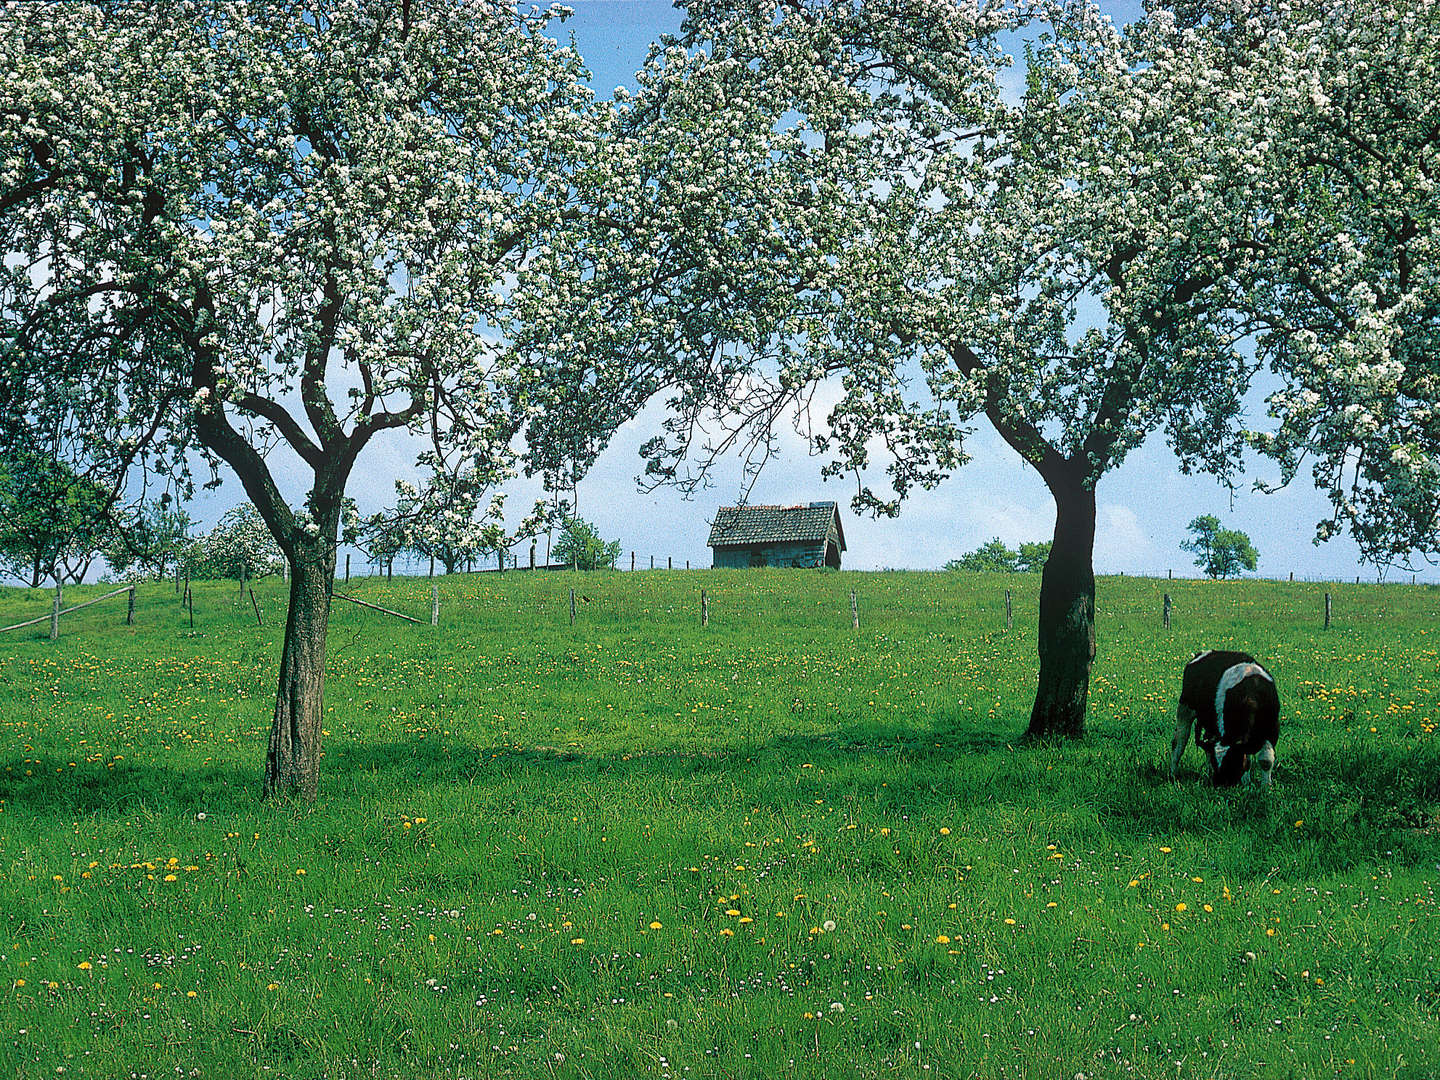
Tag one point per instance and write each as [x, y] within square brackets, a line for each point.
[1066, 637]
[292, 766]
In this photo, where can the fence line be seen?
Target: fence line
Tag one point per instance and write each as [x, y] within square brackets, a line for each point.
[66, 611]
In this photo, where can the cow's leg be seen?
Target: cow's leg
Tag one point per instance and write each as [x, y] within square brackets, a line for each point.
[1261, 767]
[1184, 721]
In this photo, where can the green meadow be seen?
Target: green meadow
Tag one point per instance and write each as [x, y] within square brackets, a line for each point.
[772, 846]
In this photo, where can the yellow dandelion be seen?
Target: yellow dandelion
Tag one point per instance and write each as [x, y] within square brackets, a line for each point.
[655, 925]
[190, 993]
[944, 830]
[1181, 906]
[171, 877]
[577, 941]
[1009, 922]
[300, 871]
[84, 965]
[19, 983]
[272, 986]
[942, 939]
[1209, 908]
[727, 932]
[732, 912]
[1165, 851]
[745, 919]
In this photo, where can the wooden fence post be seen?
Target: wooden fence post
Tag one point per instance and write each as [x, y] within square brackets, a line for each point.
[632, 560]
[854, 611]
[572, 607]
[1165, 613]
[130, 608]
[190, 603]
[347, 568]
[55, 613]
[258, 621]
[1009, 612]
[1327, 611]
[652, 562]
[704, 609]
[434, 605]
[669, 562]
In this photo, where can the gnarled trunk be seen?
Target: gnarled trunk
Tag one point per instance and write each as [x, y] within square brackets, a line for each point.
[1066, 639]
[292, 766]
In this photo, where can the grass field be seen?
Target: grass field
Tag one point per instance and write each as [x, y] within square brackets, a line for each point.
[771, 847]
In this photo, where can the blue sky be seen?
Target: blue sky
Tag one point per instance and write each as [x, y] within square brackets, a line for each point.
[1144, 505]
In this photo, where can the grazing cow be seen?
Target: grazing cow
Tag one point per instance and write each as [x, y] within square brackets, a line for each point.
[1231, 702]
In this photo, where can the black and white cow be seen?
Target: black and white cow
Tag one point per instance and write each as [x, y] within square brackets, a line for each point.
[1231, 702]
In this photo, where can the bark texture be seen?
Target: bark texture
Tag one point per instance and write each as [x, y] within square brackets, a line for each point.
[292, 764]
[1066, 639]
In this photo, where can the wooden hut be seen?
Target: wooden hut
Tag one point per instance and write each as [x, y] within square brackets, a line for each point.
[788, 536]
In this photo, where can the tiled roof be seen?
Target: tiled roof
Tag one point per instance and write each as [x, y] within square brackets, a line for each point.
[774, 524]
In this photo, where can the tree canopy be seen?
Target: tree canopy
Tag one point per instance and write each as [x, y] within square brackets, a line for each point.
[271, 232]
[851, 193]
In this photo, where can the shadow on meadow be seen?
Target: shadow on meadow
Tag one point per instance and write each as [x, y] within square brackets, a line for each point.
[1356, 805]
[52, 786]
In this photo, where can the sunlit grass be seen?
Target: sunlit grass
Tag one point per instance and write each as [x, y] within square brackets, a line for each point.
[774, 846]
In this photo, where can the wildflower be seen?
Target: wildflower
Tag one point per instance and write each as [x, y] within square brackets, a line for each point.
[732, 912]
[1181, 906]
[655, 925]
[577, 941]
[1165, 851]
[944, 830]
[272, 986]
[300, 871]
[828, 926]
[19, 983]
[190, 994]
[727, 932]
[1209, 908]
[84, 965]
[837, 1007]
[1009, 922]
[941, 939]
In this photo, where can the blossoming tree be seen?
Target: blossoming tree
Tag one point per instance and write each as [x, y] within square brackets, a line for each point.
[851, 192]
[268, 233]
[1345, 280]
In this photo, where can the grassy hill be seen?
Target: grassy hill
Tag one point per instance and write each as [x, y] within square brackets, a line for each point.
[773, 846]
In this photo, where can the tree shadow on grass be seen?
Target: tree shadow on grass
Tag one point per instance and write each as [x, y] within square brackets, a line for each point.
[1337, 807]
[53, 786]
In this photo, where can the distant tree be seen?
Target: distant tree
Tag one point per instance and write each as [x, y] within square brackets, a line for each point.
[53, 521]
[152, 540]
[580, 545]
[240, 546]
[991, 557]
[381, 537]
[1221, 553]
[1032, 556]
